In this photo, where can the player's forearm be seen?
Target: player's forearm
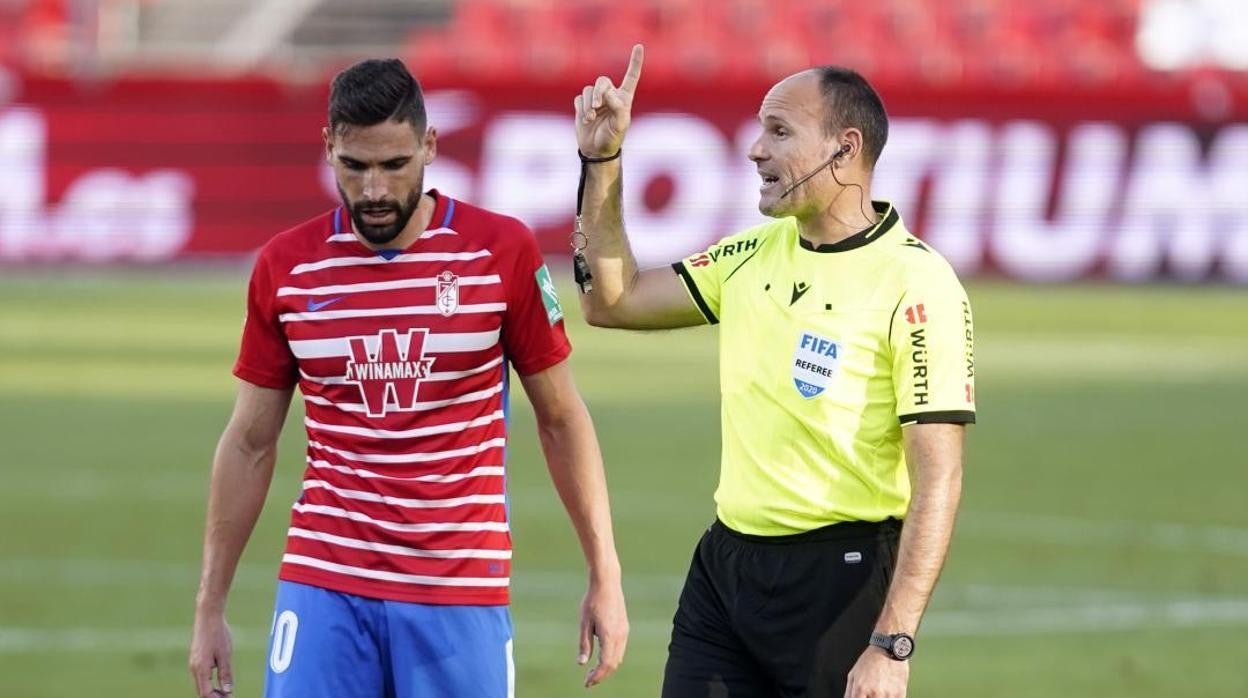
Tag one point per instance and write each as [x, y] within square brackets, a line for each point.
[607, 249]
[575, 464]
[925, 538]
[240, 481]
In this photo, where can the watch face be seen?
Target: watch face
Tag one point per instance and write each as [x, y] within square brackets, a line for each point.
[902, 646]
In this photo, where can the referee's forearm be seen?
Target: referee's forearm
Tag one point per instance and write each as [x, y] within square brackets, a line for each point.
[607, 250]
[937, 488]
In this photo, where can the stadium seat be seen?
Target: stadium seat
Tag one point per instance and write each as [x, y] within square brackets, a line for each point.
[964, 41]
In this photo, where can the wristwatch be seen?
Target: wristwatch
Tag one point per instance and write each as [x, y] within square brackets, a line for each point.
[899, 646]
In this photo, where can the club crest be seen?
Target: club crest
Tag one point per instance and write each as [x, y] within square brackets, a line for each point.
[448, 293]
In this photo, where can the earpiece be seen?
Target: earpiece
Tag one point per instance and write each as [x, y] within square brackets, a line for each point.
[845, 148]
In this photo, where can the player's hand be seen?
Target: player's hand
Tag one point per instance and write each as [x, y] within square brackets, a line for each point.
[603, 616]
[604, 111]
[211, 647]
[877, 675]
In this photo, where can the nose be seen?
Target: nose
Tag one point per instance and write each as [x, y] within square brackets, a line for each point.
[374, 185]
[757, 153]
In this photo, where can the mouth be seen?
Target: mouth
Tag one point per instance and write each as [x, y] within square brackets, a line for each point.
[380, 216]
[769, 180]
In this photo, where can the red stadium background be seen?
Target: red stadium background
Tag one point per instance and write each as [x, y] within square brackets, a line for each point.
[1134, 182]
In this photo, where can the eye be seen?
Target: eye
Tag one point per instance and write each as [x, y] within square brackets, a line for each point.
[395, 165]
[781, 132]
[353, 165]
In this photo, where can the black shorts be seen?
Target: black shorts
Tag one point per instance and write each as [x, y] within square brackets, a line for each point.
[764, 616]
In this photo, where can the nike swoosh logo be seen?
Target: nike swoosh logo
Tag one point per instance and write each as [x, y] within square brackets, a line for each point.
[798, 293]
[314, 306]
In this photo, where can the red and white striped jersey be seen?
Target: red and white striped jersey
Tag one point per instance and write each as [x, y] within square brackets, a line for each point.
[402, 359]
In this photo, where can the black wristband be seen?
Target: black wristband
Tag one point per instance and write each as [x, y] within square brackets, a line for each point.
[585, 162]
[591, 161]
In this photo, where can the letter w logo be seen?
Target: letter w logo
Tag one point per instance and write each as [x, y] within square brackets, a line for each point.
[389, 375]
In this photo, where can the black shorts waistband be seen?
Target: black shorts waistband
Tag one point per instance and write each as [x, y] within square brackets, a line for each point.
[837, 531]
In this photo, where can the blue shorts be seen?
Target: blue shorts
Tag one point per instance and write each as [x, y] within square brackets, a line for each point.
[326, 644]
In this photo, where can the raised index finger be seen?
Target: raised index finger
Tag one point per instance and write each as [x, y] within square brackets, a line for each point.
[633, 74]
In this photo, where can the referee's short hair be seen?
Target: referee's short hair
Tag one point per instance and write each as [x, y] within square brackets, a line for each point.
[373, 91]
[850, 101]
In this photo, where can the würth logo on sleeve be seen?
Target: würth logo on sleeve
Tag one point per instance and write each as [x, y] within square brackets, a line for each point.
[389, 374]
[740, 247]
[916, 314]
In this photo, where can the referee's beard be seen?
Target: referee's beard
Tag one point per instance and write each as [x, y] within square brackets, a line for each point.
[382, 234]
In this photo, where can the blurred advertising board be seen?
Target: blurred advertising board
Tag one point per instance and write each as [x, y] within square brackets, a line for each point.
[1035, 186]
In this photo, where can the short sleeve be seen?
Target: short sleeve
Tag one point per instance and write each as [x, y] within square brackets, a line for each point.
[701, 279]
[265, 358]
[533, 334]
[705, 273]
[933, 339]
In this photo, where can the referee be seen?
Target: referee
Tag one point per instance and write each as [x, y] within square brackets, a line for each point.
[847, 379]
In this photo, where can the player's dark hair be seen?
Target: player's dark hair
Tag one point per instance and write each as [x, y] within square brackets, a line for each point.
[374, 91]
[850, 101]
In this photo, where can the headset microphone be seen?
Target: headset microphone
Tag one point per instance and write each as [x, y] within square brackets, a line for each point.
[840, 153]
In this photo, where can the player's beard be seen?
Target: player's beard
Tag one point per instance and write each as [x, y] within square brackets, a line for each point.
[382, 234]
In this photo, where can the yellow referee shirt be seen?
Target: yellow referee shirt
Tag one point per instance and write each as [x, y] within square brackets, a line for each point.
[825, 353]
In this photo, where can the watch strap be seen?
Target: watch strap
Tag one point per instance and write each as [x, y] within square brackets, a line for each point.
[882, 640]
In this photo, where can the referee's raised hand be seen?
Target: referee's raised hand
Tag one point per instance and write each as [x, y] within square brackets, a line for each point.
[603, 111]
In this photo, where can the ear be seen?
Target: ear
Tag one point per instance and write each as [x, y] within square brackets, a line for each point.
[327, 136]
[430, 145]
[849, 147]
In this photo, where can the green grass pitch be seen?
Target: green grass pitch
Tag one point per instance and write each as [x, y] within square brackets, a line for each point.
[1102, 549]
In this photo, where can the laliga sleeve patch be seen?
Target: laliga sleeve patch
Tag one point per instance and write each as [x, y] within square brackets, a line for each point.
[815, 361]
[550, 297]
